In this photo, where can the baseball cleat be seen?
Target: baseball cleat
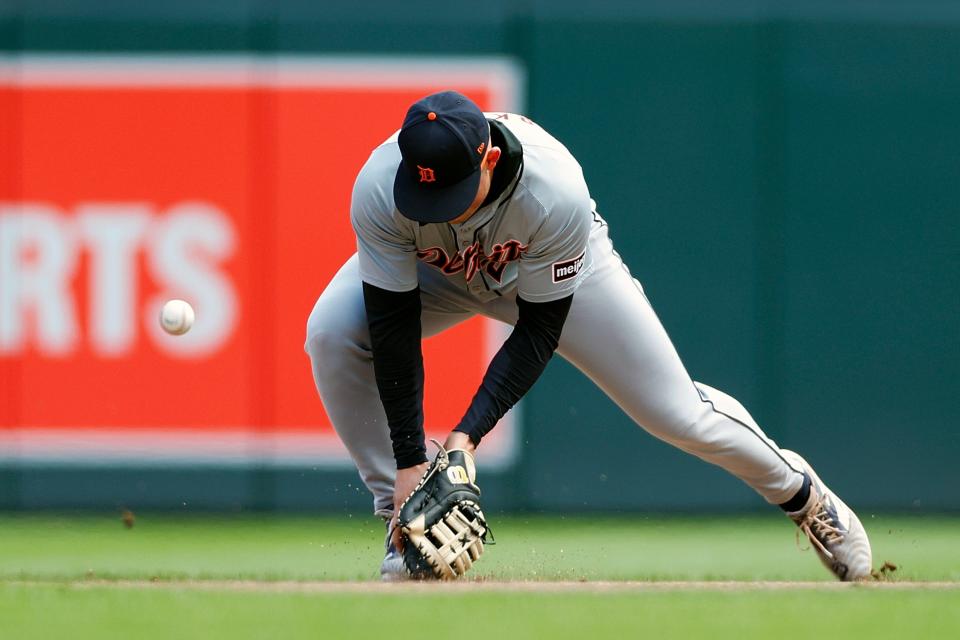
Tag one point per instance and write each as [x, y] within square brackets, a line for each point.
[392, 568]
[833, 528]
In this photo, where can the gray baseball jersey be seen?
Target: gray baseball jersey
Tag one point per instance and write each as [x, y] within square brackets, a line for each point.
[532, 238]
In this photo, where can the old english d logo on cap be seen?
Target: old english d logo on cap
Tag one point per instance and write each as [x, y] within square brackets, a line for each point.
[441, 143]
[426, 174]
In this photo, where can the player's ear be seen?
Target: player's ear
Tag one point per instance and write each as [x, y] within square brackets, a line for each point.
[493, 155]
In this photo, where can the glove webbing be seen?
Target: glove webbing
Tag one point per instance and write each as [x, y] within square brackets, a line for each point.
[453, 544]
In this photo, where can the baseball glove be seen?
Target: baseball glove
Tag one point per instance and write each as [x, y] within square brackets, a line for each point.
[442, 525]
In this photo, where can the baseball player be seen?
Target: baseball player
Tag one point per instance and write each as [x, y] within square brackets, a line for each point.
[463, 212]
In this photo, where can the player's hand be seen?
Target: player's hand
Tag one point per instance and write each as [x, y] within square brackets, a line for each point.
[407, 480]
[458, 440]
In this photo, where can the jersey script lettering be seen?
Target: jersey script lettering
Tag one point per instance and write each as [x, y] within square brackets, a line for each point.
[473, 259]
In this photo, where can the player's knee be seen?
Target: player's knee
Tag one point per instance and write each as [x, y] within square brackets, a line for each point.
[330, 349]
[334, 325]
[682, 425]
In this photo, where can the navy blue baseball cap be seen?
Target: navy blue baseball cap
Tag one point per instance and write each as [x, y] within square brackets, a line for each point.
[443, 140]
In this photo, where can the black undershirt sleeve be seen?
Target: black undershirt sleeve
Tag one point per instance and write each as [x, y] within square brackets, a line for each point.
[517, 365]
[394, 321]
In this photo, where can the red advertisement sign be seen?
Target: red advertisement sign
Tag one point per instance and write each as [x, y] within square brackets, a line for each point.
[125, 182]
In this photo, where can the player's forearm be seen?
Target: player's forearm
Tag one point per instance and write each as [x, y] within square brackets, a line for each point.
[394, 322]
[516, 366]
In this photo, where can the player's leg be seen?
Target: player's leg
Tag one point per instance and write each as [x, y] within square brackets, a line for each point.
[338, 344]
[627, 352]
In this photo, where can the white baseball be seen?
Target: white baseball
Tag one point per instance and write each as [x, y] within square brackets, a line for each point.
[176, 317]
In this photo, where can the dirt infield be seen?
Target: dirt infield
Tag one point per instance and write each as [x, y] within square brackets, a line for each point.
[482, 585]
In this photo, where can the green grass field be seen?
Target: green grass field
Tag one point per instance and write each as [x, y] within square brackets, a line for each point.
[282, 577]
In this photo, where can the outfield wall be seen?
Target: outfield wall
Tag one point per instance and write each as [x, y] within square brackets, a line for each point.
[784, 182]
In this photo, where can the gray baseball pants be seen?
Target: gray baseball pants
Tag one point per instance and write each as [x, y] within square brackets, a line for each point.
[611, 329]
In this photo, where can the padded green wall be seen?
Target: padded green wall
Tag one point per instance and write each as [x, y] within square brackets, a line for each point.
[784, 181]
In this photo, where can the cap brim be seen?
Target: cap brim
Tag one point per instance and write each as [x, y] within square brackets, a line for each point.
[433, 204]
